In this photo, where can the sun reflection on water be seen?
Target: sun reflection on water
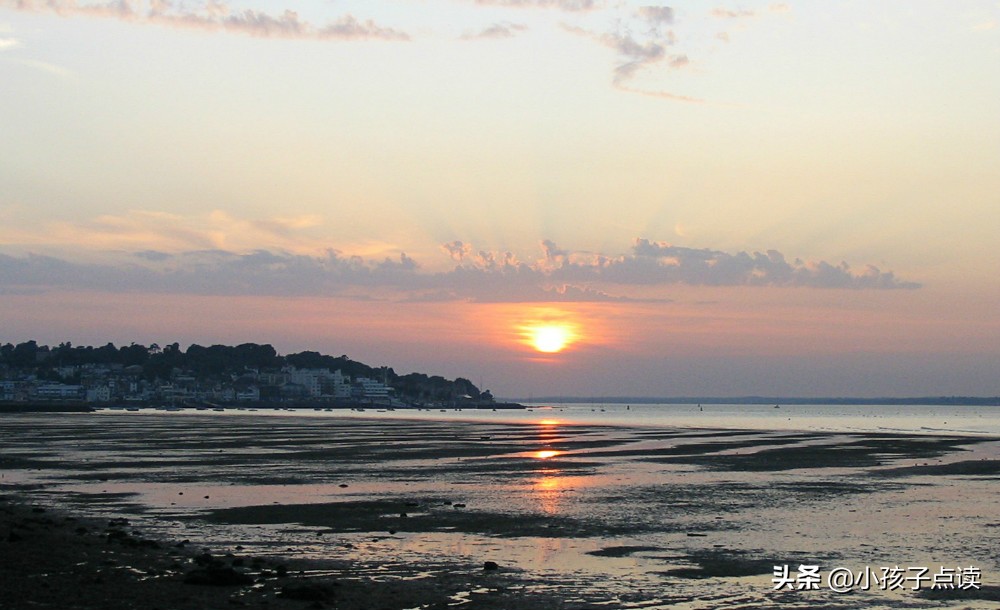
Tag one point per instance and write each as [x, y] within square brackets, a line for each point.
[548, 491]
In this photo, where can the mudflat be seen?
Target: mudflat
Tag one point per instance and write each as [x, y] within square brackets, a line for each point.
[176, 510]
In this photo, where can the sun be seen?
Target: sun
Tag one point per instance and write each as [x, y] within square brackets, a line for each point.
[549, 331]
[550, 338]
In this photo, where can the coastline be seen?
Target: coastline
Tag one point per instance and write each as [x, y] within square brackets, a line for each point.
[67, 406]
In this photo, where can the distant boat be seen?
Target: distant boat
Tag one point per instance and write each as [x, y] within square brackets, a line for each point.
[777, 407]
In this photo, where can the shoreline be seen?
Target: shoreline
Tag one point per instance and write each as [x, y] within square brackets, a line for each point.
[67, 406]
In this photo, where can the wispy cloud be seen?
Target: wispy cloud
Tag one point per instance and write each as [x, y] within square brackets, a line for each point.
[216, 15]
[44, 66]
[563, 5]
[213, 230]
[642, 39]
[477, 275]
[723, 13]
[498, 30]
[636, 52]
[657, 14]
[8, 43]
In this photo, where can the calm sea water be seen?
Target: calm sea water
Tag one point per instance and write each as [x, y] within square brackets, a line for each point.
[910, 419]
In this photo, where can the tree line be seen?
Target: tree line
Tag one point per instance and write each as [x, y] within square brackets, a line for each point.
[161, 363]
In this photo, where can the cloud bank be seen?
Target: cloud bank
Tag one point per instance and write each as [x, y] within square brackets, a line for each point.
[476, 275]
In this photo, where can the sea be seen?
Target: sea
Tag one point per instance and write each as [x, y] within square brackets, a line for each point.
[906, 419]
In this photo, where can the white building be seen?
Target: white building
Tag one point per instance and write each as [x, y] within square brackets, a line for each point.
[101, 393]
[59, 391]
[321, 382]
[251, 394]
[373, 389]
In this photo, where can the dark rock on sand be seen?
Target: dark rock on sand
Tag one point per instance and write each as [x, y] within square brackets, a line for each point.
[491, 565]
[984, 592]
[622, 551]
[309, 591]
[215, 576]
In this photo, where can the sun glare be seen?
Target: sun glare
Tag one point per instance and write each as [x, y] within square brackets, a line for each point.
[551, 338]
[550, 331]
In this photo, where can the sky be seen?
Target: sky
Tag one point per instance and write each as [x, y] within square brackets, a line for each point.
[548, 197]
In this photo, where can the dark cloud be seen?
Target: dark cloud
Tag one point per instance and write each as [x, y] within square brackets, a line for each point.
[560, 275]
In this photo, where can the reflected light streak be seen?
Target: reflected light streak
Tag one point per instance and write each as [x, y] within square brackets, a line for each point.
[546, 454]
[548, 490]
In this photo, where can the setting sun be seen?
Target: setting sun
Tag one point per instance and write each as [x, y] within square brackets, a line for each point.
[551, 338]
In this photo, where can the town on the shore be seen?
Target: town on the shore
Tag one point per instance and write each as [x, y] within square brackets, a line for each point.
[217, 376]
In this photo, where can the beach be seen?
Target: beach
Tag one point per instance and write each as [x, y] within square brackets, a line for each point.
[436, 512]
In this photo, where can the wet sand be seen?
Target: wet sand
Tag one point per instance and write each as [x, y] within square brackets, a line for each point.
[406, 514]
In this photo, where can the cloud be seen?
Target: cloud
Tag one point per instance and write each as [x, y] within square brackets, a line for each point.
[657, 14]
[722, 13]
[652, 264]
[8, 43]
[642, 42]
[564, 5]
[667, 263]
[666, 95]
[152, 230]
[215, 272]
[498, 30]
[985, 26]
[636, 52]
[483, 276]
[457, 250]
[216, 15]
[44, 66]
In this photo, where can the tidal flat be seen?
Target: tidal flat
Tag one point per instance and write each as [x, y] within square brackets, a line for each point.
[405, 513]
